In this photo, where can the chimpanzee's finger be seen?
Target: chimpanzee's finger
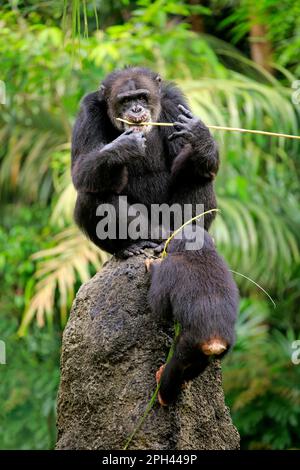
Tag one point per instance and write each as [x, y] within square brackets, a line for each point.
[179, 125]
[185, 111]
[183, 118]
[178, 134]
[124, 254]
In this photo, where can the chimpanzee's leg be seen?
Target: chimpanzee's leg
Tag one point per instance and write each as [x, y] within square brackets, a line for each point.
[187, 362]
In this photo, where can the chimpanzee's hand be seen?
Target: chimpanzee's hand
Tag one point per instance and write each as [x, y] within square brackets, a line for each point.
[190, 128]
[130, 142]
[199, 146]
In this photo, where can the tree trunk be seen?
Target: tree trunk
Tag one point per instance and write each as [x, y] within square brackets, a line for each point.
[260, 46]
[196, 20]
[111, 350]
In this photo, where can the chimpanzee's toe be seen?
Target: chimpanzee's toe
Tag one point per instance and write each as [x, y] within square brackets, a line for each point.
[158, 375]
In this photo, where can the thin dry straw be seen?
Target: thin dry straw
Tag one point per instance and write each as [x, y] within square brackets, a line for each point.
[151, 402]
[219, 128]
[164, 253]
[258, 285]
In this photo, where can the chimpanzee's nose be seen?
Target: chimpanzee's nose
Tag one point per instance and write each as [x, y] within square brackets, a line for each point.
[137, 109]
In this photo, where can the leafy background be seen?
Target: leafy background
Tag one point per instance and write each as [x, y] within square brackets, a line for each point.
[236, 61]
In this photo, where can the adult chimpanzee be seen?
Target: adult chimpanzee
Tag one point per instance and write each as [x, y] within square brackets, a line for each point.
[149, 165]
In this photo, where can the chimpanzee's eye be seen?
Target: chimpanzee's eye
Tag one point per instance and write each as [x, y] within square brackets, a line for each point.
[125, 102]
[143, 100]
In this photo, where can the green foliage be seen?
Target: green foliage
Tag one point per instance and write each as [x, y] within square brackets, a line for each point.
[29, 380]
[261, 382]
[284, 34]
[28, 387]
[154, 37]
[48, 67]
[20, 237]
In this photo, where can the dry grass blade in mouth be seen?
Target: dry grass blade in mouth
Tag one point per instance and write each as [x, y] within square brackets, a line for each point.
[218, 128]
[136, 126]
[145, 123]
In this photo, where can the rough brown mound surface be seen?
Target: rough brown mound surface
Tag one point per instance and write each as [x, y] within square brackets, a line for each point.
[111, 349]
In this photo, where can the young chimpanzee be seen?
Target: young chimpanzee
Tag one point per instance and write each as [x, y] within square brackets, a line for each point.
[196, 289]
[149, 165]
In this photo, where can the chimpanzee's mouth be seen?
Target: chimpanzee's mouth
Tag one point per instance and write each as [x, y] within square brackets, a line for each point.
[138, 120]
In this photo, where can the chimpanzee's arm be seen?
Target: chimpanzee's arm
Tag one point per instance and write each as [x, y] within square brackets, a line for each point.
[191, 147]
[194, 164]
[99, 155]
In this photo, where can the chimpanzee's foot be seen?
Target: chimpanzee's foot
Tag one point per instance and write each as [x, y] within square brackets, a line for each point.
[159, 248]
[135, 249]
[158, 378]
[214, 346]
[149, 262]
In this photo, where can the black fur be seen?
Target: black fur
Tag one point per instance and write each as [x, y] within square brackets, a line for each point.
[108, 163]
[196, 289]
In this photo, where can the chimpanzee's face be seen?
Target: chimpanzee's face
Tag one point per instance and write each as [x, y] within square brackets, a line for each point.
[135, 99]
[134, 107]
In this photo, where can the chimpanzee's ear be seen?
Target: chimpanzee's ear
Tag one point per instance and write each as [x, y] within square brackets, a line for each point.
[102, 89]
[158, 81]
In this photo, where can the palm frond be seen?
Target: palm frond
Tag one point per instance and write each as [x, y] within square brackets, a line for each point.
[58, 270]
[25, 168]
[256, 242]
[63, 210]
